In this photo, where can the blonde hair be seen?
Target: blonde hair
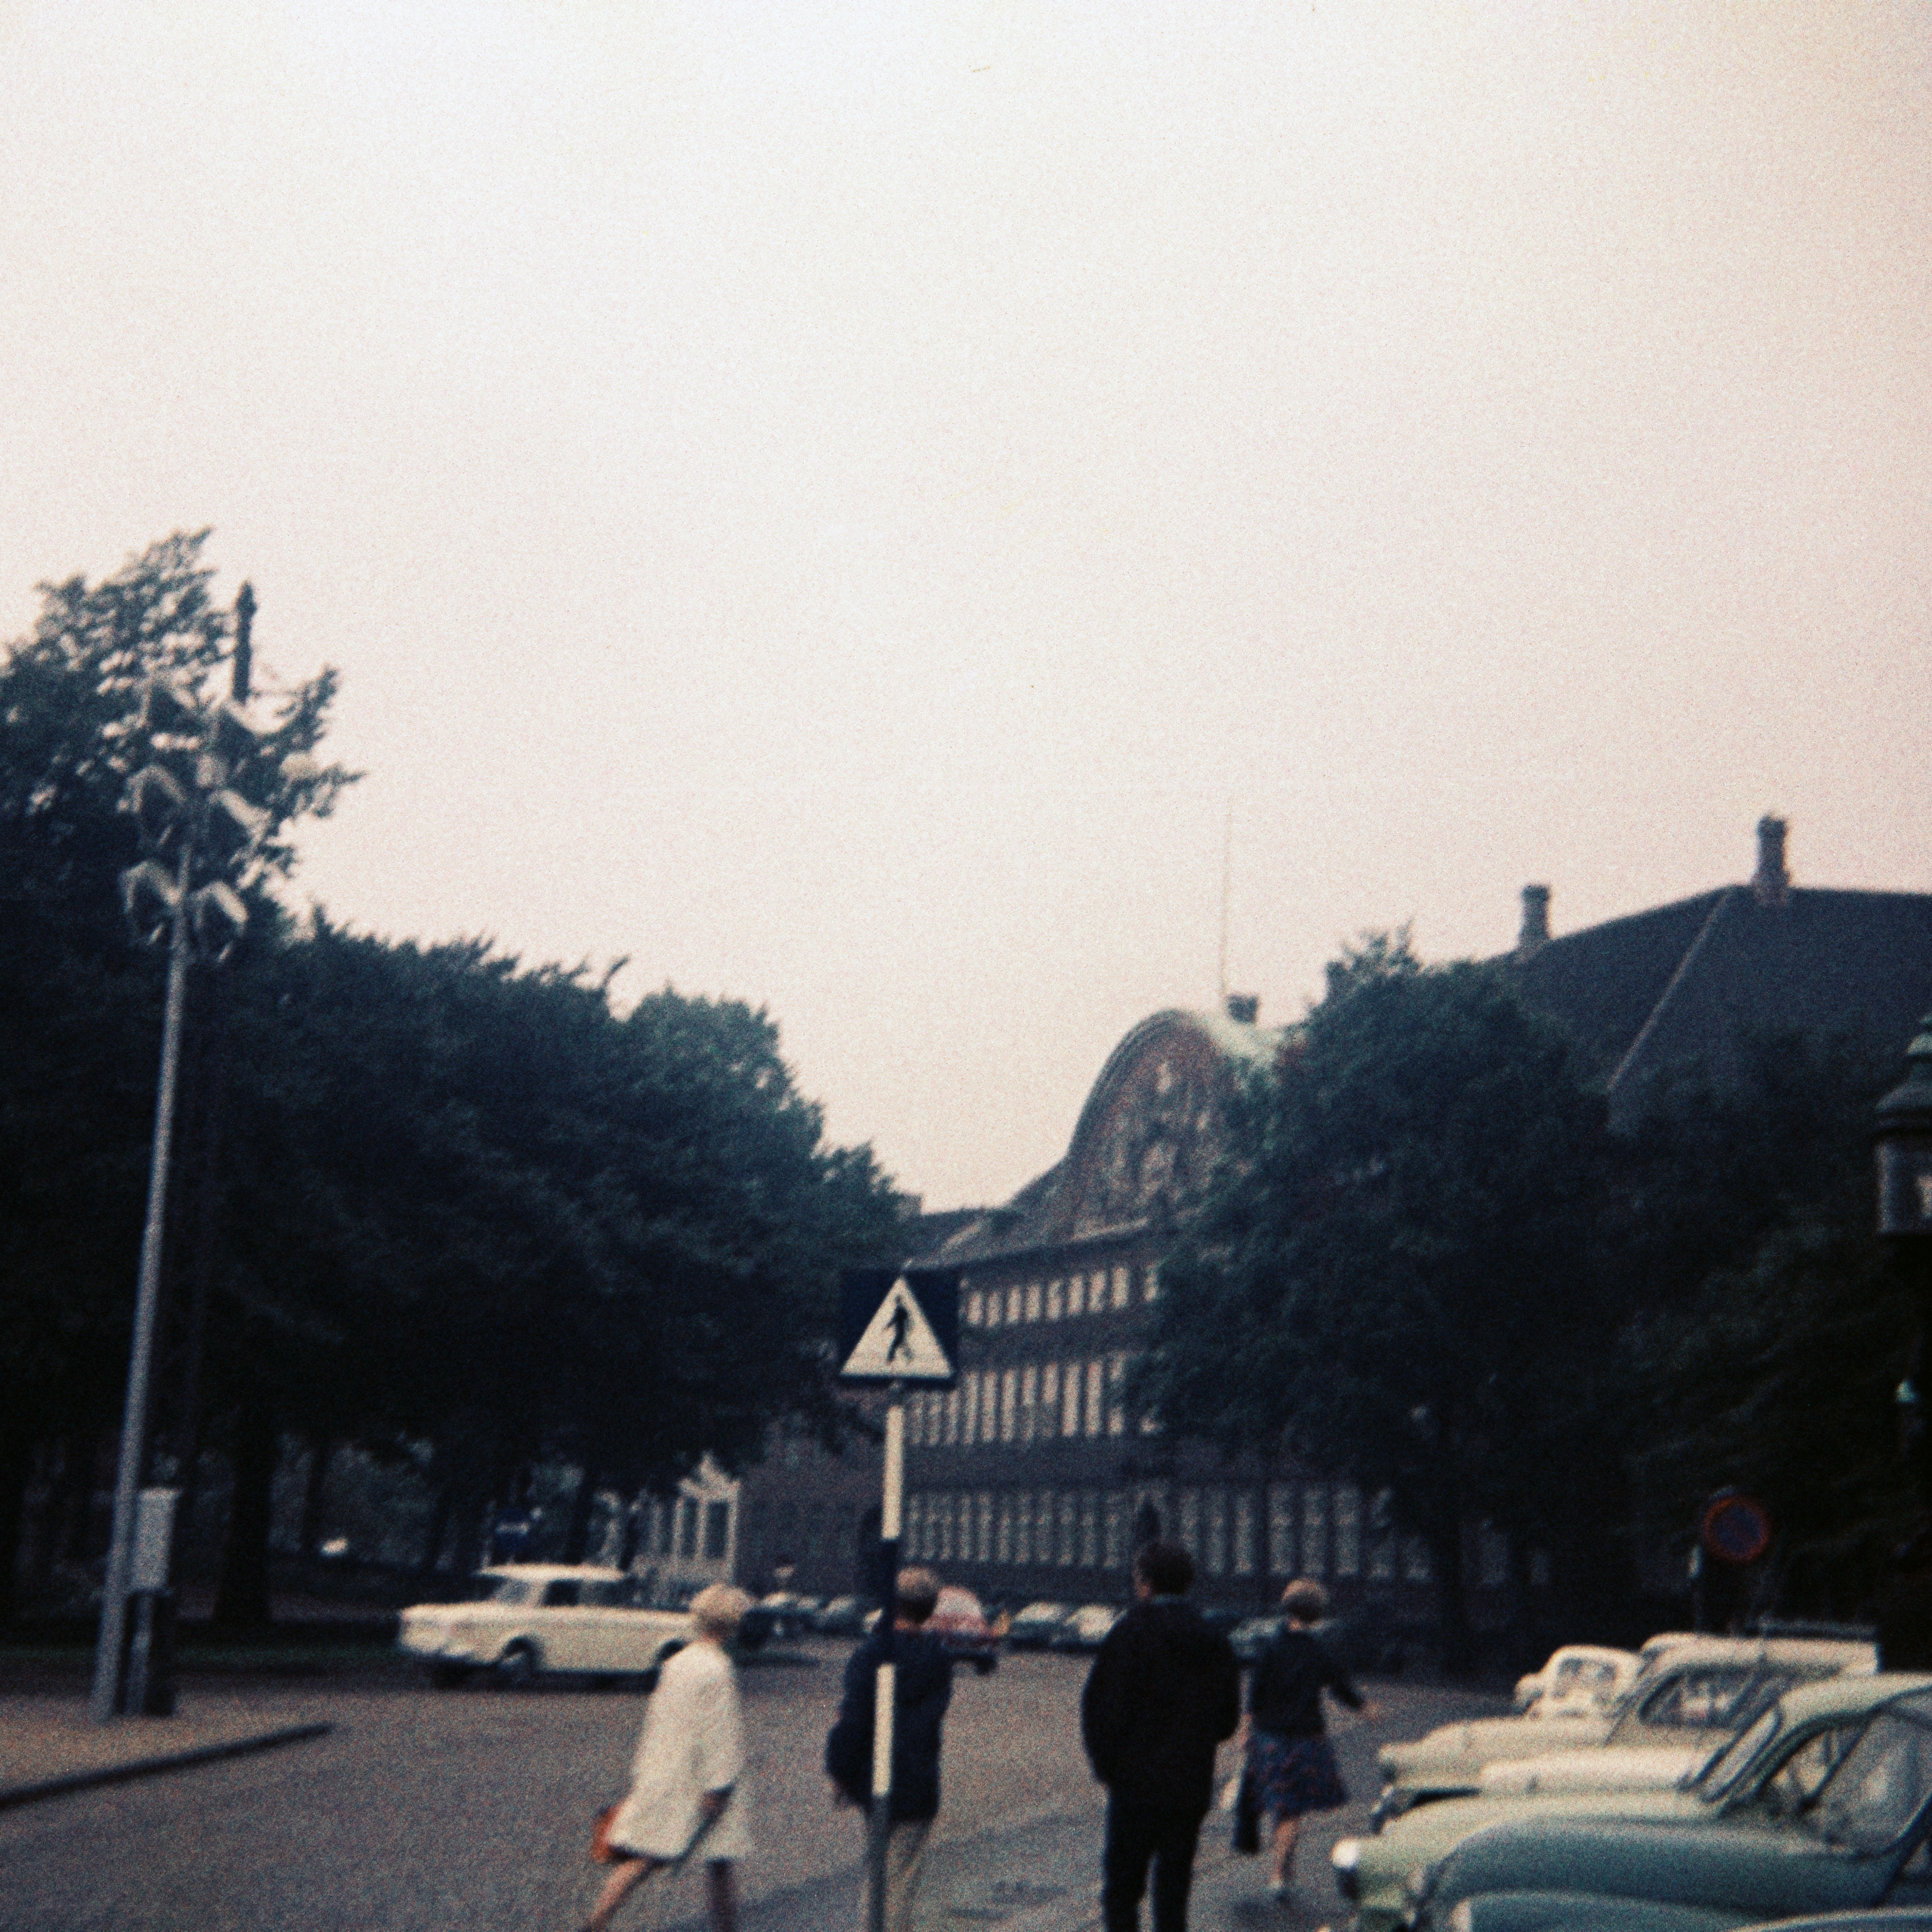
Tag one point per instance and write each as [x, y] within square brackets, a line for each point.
[915, 1591]
[719, 1610]
[1305, 1601]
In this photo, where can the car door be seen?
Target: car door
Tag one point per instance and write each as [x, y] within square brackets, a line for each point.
[561, 1626]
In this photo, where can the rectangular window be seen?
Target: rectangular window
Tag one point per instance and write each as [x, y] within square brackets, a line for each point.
[1069, 1505]
[952, 1418]
[986, 1550]
[1076, 1295]
[1010, 1398]
[1002, 1549]
[1348, 1530]
[989, 1405]
[974, 1303]
[993, 1300]
[717, 1531]
[1281, 1529]
[1089, 1529]
[1492, 1549]
[912, 1514]
[1244, 1533]
[1121, 1279]
[1056, 1299]
[1216, 1538]
[941, 1515]
[1015, 1297]
[1095, 1394]
[1023, 1527]
[1029, 1400]
[1190, 1526]
[1114, 1549]
[1381, 1536]
[1049, 1399]
[1069, 1399]
[1117, 1394]
[1150, 1283]
[1416, 1566]
[1033, 1301]
[969, 1409]
[1314, 1530]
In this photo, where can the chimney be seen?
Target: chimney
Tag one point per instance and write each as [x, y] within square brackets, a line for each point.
[1243, 1007]
[1771, 883]
[1535, 933]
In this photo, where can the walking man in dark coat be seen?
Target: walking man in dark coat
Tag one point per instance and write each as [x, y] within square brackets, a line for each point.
[923, 1687]
[1164, 1691]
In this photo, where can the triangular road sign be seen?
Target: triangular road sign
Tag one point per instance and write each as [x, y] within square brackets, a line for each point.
[898, 1343]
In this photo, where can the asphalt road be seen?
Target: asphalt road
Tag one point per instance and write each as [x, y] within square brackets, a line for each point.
[472, 1809]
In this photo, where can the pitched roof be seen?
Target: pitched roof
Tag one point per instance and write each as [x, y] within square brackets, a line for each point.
[1694, 981]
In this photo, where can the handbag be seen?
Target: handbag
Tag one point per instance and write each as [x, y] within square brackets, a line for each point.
[1247, 1838]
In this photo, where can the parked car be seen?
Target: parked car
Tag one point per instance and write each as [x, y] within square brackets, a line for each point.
[843, 1616]
[1693, 1692]
[1033, 1628]
[1772, 1769]
[1087, 1628]
[785, 1616]
[1578, 1677]
[1252, 1636]
[961, 1625]
[1851, 1845]
[530, 1617]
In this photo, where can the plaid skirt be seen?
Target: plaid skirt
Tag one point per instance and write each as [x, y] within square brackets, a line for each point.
[1294, 1775]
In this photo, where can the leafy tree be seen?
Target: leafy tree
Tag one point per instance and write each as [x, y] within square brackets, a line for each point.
[1395, 1277]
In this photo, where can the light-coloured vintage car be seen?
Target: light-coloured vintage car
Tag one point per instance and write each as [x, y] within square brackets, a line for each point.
[532, 1617]
[1769, 1771]
[1692, 1692]
[1580, 1677]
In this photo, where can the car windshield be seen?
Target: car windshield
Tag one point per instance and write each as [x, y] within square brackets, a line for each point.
[511, 1590]
[1727, 1764]
[1879, 1787]
[1041, 1613]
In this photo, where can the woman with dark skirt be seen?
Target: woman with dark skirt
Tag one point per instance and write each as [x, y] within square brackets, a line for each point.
[1291, 1764]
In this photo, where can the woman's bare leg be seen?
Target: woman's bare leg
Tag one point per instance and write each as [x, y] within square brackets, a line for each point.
[724, 1899]
[1287, 1830]
[617, 1889]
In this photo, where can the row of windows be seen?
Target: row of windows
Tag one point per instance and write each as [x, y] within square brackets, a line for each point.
[1033, 1402]
[684, 1526]
[1091, 1293]
[1309, 1529]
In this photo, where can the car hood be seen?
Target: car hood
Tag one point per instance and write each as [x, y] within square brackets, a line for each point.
[1421, 1836]
[1747, 1865]
[1639, 1768]
[1485, 1739]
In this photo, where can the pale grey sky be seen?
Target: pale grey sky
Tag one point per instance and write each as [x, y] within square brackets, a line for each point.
[837, 502]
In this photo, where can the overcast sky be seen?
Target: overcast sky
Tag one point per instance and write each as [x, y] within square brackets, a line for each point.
[841, 503]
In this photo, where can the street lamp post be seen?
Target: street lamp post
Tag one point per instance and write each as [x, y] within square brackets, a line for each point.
[198, 835]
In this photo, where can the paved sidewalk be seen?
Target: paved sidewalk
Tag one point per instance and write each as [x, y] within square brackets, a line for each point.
[49, 1745]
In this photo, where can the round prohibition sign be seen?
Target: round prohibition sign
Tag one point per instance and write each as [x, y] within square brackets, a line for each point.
[1736, 1529]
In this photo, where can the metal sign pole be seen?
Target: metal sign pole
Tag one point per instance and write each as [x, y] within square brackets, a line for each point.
[881, 1820]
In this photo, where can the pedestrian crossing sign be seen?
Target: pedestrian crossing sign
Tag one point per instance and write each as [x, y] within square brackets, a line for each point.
[899, 1327]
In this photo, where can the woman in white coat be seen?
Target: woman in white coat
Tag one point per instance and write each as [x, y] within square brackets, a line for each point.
[684, 1795]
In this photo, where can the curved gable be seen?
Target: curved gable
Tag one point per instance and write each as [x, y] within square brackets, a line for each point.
[1154, 1124]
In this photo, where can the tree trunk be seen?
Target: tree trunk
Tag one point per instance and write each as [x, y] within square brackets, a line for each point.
[315, 1493]
[16, 1465]
[241, 1597]
[440, 1512]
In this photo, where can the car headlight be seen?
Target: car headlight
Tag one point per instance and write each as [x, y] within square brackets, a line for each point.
[1346, 1856]
[1461, 1918]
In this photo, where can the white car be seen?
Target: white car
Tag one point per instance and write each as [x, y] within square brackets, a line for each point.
[532, 1617]
[1579, 1678]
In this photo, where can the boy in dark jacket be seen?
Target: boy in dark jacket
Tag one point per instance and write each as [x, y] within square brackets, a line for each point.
[1163, 1693]
[922, 1689]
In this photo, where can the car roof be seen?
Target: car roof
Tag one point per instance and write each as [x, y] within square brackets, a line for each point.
[1849, 1695]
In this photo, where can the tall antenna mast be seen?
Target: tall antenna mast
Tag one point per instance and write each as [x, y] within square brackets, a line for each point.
[1227, 866]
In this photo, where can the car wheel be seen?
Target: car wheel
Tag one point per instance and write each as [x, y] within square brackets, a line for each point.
[447, 1676]
[986, 1666]
[517, 1668]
